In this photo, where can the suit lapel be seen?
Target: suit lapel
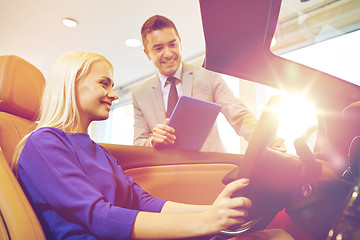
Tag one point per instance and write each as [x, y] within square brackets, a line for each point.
[157, 99]
[156, 93]
[187, 80]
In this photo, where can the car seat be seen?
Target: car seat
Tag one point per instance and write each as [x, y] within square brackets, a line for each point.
[21, 86]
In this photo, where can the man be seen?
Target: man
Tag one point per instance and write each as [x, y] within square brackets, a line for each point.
[162, 46]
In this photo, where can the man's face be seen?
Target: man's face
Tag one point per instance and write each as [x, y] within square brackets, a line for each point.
[163, 48]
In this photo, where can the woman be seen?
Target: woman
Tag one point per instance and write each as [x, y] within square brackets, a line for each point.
[76, 187]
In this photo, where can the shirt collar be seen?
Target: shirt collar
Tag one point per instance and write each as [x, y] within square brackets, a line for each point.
[177, 74]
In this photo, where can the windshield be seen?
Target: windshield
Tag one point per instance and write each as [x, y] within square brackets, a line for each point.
[321, 34]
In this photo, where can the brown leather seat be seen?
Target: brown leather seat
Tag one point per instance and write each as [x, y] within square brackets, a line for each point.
[21, 86]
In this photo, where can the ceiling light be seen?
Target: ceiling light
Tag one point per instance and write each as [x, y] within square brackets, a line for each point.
[70, 22]
[132, 42]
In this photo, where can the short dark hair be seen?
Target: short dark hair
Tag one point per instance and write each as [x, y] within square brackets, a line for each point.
[156, 22]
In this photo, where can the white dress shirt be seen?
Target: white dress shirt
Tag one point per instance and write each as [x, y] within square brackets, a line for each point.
[165, 86]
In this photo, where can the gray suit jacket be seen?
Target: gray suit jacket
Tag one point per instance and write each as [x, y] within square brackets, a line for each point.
[197, 82]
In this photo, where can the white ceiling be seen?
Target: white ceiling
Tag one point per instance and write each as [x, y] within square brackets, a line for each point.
[33, 30]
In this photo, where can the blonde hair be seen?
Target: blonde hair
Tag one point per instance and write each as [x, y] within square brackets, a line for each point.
[59, 106]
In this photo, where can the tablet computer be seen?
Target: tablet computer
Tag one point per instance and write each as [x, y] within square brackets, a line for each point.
[192, 120]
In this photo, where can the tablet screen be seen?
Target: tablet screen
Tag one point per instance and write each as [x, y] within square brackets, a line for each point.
[192, 120]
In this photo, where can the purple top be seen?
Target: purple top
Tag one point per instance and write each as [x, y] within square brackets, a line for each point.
[77, 189]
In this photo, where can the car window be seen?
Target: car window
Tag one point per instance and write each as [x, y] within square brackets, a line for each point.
[322, 34]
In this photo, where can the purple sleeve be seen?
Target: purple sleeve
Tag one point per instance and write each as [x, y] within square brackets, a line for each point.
[147, 202]
[53, 177]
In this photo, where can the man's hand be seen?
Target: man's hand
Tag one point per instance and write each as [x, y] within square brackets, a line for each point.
[279, 144]
[163, 134]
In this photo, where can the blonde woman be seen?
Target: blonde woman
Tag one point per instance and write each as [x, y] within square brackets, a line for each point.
[76, 187]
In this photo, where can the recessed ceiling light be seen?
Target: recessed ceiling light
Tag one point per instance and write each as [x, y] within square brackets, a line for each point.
[69, 22]
[132, 42]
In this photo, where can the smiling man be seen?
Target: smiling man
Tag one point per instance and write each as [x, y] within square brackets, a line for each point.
[162, 46]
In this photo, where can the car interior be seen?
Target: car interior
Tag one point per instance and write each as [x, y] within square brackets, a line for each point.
[305, 194]
[337, 104]
[179, 180]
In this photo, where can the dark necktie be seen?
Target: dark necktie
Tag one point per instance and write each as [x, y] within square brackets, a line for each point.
[173, 96]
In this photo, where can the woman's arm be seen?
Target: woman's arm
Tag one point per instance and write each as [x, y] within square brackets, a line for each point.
[181, 220]
[175, 207]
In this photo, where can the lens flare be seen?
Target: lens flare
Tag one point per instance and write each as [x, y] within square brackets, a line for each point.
[297, 115]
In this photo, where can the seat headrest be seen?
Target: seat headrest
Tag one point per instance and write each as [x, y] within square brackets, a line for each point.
[21, 87]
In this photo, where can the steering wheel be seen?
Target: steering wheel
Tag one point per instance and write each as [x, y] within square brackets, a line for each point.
[275, 178]
[262, 138]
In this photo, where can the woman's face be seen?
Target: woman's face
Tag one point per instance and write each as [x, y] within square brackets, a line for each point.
[95, 93]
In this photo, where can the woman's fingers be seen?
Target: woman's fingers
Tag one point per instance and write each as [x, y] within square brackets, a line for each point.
[234, 186]
[237, 213]
[228, 210]
[239, 202]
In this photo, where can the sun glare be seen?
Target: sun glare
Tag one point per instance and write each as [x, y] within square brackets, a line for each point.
[297, 115]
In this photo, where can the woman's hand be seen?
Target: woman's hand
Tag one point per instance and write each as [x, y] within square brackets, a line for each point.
[227, 211]
[178, 220]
